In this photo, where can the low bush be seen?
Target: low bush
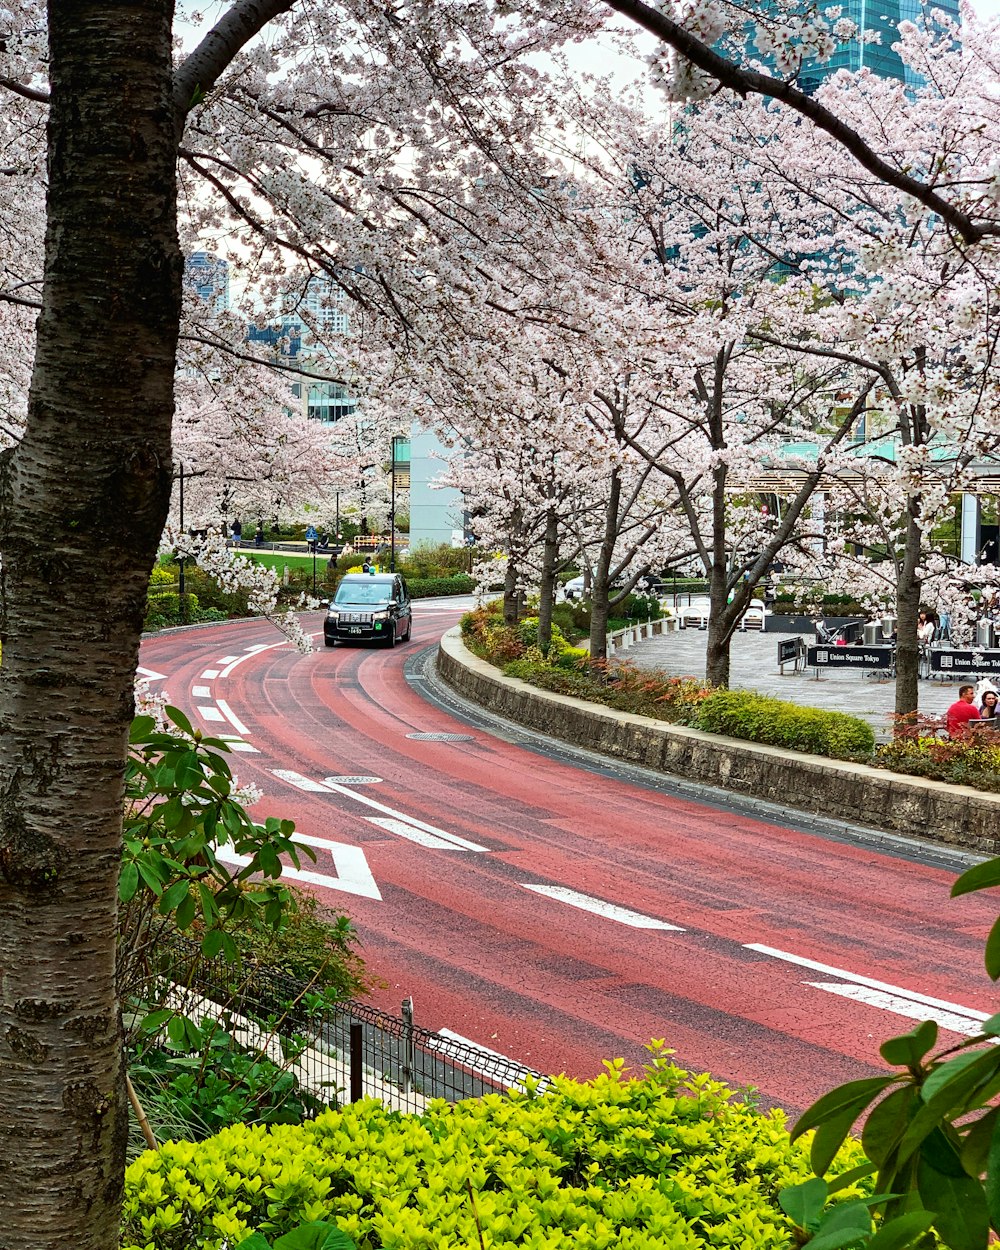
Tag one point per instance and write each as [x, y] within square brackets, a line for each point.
[668, 1162]
[429, 587]
[961, 761]
[757, 718]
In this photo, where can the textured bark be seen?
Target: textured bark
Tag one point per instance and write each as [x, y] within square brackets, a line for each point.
[83, 503]
[601, 588]
[907, 611]
[547, 588]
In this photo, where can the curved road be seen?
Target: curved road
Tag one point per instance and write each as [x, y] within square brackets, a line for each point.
[562, 914]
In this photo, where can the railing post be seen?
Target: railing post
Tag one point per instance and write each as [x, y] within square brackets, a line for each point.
[357, 1062]
[409, 1055]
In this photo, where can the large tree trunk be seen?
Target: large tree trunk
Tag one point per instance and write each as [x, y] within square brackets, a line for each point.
[83, 504]
[601, 588]
[547, 589]
[907, 612]
[720, 629]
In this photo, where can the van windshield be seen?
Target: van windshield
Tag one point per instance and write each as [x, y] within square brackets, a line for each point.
[363, 592]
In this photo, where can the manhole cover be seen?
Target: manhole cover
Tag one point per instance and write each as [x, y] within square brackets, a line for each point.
[352, 781]
[442, 737]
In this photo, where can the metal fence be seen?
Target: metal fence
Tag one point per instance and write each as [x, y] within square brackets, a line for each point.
[346, 1050]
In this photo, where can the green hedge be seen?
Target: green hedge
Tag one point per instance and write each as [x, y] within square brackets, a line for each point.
[665, 1163]
[428, 587]
[757, 718]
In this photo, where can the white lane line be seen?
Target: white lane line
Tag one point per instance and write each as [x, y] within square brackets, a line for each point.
[968, 1012]
[210, 674]
[211, 713]
[610, 911]
[950, 1020]
[201, 692]
[353, 874]
[233, 719]
[300, 782]
[151, 674]
[404, 830]
[453, 838]
[492, 1064]
[250, 653]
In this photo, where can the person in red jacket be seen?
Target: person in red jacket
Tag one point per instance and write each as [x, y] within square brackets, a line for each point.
[962, 711]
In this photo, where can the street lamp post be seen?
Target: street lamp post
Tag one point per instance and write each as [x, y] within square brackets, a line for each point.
[180, 579]
[392, 509]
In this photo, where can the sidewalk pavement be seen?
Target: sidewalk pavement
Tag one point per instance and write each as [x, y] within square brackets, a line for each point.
[754, 666]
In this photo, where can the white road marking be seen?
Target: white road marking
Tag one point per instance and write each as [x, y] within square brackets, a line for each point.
[968, 1012]
[354, 781]
[237, 744]
[233, 719]
[950, 1020]
[226, 659]
[300, 782]
[492, 1065]
[201, 692]
[451, 842]
[250, 653]
[409, 820]
[610, 911]
[211, 713]
[150, 674]
[353, 874]
[210, 674]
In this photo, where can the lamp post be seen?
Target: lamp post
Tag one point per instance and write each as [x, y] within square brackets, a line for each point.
[180, 579]
[392, 509]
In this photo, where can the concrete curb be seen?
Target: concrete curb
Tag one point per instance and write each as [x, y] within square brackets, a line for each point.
[953, 815]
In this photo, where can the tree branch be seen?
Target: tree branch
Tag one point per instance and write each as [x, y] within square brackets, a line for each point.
[29, 93]
[749, 82]
[197, 73]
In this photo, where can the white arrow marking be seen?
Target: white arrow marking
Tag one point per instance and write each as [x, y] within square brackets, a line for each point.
[610, 911]
[150, 675]
[450, 842]
[968, 1012]
[353, 874]
[451, 838]
[951, 1020]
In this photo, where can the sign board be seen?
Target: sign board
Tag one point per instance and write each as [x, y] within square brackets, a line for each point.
[789, 649]
[951, 661]
[850, 657]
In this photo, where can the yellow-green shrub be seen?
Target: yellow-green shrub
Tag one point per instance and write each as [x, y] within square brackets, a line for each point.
[665, 1163]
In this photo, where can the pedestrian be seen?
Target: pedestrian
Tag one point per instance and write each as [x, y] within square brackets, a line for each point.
[366, 567]
[961, 712]
[989, 707]
[925, 629]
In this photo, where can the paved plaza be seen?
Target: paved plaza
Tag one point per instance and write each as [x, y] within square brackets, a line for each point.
[754, 659]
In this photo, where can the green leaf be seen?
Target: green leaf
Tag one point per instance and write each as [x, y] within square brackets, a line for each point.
[851, 1177]
[156, 1020]
[887, 1123]
[953, 1094]
[804, 1203]
[212, 943]
[902, 1231]
[128, 882]
[978, 1142]
[140, 728]
[979, 877]
[830, 1137]
[173, 896]
[908, 1049]
[945, 1073]
[959, 1206]
[991, 1027]
[176, 1031]
[256, 1241]
[855, 1095]
[185, 913]
[175, 715]
[844, 1225]
[316, 1236]
[991, 1187]
[991, 955]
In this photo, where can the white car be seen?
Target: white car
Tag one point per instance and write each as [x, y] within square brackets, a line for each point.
[574, 588]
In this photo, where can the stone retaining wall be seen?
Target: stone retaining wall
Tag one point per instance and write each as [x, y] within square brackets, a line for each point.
[854, 793]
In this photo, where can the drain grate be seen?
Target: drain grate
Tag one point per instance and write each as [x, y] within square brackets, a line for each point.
[442, 737]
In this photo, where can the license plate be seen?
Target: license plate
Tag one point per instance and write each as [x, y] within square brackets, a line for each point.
[355, 629]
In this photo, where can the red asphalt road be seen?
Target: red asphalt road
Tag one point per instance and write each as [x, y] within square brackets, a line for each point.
[552, 986]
